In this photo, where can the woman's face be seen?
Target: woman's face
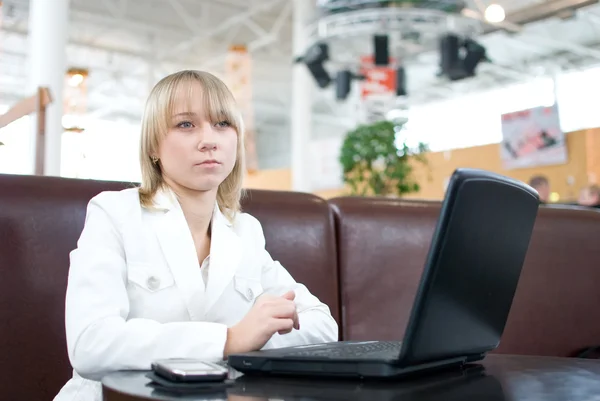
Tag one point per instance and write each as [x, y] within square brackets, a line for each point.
[196, 154]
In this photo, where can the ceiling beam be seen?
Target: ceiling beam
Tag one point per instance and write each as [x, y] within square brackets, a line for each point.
[223, 27]
[184, 15]
[536, 12]
[127, 24]
[558, 44]
[527, 35]
[116, 10]
[78, 42]
[268, 38]
[258, 30]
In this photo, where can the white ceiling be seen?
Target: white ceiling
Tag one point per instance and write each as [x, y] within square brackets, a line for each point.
[129, 44]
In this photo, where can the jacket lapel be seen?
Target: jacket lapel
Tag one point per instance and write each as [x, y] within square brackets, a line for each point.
[178, 247]
[225, 256]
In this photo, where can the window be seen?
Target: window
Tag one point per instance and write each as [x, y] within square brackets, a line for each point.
[474, 119]
[17, 154]
[106, 150]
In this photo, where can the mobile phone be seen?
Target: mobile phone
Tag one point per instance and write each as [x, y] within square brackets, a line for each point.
[189, 370]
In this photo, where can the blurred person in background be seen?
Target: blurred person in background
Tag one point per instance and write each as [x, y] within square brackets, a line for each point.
[541, 184]
[589, 196]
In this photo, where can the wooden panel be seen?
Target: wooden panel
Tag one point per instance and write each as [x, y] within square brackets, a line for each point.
[567, 179]
[280, 180]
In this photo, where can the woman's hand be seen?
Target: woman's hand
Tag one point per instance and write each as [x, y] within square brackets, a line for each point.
[269, 315]
[290, 296]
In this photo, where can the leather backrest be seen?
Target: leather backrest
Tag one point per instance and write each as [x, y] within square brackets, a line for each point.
[557, 305]
[382, 246]
[41, 219]
[300, 234]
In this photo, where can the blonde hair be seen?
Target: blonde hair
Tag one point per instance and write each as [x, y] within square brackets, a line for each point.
[219, 105]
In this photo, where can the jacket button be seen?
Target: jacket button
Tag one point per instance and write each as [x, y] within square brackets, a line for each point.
[250, 294]
[153, 283]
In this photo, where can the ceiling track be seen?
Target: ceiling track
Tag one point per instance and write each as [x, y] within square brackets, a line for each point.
[542, 11]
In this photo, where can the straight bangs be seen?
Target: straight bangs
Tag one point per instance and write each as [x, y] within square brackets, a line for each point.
[218, 102]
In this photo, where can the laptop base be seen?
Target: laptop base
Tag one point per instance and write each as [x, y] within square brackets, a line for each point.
[351, 369]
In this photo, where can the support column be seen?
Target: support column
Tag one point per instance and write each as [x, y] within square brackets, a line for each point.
[302, 87]
[48, 26]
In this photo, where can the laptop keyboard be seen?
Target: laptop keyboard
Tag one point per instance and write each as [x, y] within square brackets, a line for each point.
[371, 350]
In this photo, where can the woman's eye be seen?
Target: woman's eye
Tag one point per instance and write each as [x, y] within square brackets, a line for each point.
[185, 124]
[223, 124]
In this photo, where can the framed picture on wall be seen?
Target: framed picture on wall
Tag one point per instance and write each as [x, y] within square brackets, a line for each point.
[532, 137]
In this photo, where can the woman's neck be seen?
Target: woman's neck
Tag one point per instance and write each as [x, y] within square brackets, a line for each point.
[198, 212]
[198, 208]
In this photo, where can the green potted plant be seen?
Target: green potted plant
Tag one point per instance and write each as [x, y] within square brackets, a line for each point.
[376, 160]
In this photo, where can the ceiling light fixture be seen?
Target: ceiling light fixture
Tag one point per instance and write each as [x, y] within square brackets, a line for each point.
[494, 13]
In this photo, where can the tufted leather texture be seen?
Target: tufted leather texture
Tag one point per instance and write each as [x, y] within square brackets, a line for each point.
[382, 246]
[300, 234]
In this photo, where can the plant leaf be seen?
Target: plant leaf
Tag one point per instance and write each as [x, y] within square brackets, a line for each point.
[375, 161]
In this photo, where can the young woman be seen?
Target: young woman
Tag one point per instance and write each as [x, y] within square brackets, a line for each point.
[173, 269]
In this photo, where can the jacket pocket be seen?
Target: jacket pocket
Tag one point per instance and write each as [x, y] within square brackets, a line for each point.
[149, 278]
[248, 288]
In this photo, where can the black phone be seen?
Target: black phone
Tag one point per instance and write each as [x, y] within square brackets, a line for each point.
[189, 370]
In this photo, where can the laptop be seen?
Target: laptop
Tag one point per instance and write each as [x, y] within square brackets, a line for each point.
[464, 295]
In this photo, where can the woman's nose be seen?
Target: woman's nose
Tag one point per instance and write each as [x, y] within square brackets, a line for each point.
[206, 146]
[207, 141]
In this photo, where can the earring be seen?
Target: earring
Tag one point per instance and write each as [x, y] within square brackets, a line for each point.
[154, 159]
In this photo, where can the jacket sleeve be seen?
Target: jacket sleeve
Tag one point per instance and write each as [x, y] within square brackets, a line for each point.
[100, 337]
[316, 323]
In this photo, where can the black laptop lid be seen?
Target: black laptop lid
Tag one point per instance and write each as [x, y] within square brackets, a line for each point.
[473, 267]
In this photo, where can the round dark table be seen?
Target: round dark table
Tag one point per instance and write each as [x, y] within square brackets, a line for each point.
[497, 378]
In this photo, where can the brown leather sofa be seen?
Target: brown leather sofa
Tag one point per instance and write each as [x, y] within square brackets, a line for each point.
[382, 244]
[342, 250]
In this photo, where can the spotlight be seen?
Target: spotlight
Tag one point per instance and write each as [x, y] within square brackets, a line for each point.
[314, 58]
[343, 83]
[454, 66]
[475, 54]
[381, 51]
[401, 82]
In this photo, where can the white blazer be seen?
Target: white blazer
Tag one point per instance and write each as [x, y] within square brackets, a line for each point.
[136, 293]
